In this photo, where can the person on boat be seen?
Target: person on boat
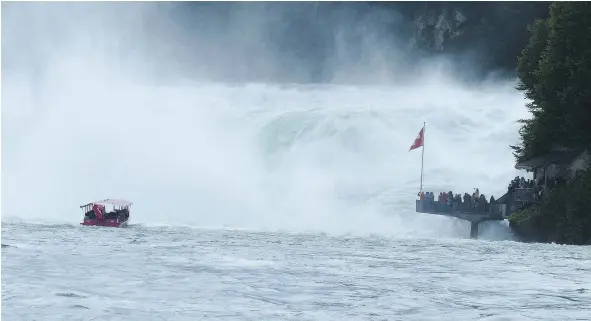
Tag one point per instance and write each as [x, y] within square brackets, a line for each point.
[125, 212]
[89, 215]
[96, 211]
[99, 211]
[113, 214]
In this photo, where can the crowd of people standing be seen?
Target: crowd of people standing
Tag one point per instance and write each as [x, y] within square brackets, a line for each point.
[470, 203]
[521, 193]
[523, 190]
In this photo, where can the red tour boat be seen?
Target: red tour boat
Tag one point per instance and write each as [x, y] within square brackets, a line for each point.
[95, 213]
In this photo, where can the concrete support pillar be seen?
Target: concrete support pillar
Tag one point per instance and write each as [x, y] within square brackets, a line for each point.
[474, 230]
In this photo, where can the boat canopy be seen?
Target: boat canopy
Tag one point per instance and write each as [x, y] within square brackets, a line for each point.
[111, 201]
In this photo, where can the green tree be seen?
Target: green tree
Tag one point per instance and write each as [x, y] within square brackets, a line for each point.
[554, 70]
[565, 71]
[527, 71]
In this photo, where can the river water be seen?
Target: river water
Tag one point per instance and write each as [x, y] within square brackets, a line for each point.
[67, 272]
[252, 201]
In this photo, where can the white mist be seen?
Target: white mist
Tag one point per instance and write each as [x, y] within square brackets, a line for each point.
[96, 123]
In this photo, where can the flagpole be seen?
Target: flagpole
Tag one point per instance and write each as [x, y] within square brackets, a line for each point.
[422, 156]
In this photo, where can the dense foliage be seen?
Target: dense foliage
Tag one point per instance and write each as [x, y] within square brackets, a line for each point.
[554, 70]
[563, 217]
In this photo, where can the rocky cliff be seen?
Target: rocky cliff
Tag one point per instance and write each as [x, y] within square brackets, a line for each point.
[313, 41]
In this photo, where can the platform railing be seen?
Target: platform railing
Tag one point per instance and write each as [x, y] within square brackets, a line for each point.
[436, 207]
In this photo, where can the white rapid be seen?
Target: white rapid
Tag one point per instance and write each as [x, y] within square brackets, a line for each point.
[330, 158]
[252, 200]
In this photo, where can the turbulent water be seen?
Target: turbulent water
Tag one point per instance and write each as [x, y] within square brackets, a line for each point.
[320, 158]
[64, 272]
[253, 201]
[319, 190]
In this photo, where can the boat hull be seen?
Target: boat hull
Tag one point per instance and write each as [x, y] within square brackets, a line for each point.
[109, 222]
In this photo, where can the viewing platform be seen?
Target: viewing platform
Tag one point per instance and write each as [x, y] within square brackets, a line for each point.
[491, 212]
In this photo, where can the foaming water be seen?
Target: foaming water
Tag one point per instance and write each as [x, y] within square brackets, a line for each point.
[189, 274]
[328, 158]
[320, 158]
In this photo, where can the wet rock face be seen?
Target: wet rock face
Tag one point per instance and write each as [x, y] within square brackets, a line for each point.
[495, 33]
[269, 39]
[433, 29]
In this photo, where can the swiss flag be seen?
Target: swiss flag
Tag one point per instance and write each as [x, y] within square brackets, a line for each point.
[419, 140]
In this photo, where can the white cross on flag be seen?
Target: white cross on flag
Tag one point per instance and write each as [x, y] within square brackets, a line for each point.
[419, 140]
